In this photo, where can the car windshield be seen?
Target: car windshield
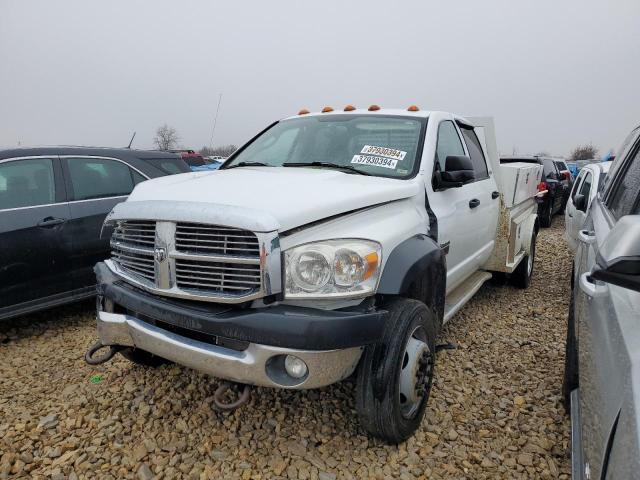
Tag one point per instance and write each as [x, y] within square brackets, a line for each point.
[374, 145]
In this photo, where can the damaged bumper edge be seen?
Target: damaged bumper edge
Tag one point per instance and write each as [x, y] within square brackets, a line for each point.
[245, 345]
[256, 365]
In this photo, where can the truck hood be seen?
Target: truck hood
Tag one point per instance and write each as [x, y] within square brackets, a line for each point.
[275, 198]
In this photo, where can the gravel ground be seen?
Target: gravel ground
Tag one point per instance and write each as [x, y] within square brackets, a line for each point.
[494, 411]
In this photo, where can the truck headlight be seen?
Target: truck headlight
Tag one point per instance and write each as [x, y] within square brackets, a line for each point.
[332, 268]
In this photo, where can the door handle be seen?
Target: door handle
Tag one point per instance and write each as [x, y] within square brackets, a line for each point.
[51, 222]
[474, 203]
[570, 216]
[587, 237]
[495, 195]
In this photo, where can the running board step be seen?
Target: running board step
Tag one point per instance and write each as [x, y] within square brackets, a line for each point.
[463, 293]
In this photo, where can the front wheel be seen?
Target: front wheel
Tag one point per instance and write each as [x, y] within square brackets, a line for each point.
[395, 376]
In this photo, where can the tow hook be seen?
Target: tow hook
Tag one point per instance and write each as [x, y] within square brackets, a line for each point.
[112, 350]
[220, 402]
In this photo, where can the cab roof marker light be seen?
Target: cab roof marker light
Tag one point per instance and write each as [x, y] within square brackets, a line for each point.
[413, 108]
[349, 108]
[304, 111]
[373, 108]
[327, 109]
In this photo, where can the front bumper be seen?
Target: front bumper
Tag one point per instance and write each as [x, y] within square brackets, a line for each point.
[255, 365]
[245, 345]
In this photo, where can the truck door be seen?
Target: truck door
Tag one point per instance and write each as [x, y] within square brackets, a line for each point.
[466, 224]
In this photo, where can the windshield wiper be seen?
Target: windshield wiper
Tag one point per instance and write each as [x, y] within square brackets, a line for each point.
[337, 166]
[247, 164]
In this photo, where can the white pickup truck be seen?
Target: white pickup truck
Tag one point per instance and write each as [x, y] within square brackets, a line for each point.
[330, 244]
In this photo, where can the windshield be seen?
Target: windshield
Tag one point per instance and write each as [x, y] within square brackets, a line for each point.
[377, 145]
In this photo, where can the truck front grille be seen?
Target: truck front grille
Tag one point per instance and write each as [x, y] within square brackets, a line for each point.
[229, 278]
[132, 246]
[189, 260]
[214, 240]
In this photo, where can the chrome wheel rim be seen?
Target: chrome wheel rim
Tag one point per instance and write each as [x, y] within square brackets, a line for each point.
[415, 373]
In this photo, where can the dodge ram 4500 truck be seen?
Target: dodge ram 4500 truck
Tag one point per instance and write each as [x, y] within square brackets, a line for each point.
[330, 244]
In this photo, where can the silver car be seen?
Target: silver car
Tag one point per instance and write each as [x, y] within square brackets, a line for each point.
[589, 182]
[602, 370]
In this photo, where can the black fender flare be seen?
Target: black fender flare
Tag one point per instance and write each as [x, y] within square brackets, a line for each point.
[417, 258]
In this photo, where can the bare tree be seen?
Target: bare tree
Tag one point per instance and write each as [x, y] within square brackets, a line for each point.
[584, 152]
[222, 150]
[166, 138]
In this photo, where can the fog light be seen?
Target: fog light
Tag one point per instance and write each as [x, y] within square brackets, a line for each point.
[295, 366]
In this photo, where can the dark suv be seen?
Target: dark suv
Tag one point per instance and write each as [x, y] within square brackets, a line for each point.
[554, 188]
[53, 202]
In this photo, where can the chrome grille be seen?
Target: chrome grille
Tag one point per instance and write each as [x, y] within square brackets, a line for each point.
[215, 240]
[190, 260]
[132, 245]
[227, 278]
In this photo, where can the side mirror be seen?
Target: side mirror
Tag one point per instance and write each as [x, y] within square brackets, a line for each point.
[580, 202]
[618, 259]
[458, 170]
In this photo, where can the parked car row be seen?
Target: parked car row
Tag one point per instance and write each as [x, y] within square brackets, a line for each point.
[53, 202]
[601, 385]
[288, 288]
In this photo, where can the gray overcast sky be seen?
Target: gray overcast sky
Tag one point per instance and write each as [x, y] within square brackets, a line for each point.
[553, 73]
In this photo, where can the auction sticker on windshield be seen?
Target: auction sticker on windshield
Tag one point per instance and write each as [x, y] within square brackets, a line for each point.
[375, 161]
[383, 152]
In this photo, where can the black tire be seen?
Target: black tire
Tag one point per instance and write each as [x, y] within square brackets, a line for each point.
[570, 380]
[381, 410]
[521, 276]
[547, 217]
[142, 357]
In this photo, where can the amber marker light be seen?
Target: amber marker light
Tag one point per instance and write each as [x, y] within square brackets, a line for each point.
[374, 108]
[327, 109]
[304, 111]
[349, 108]
[372, 264]
[413, 108]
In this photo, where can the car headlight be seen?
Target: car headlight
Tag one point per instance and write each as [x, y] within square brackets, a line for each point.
[332, 268]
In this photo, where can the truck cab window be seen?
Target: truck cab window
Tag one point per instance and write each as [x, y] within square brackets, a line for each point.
[26, 183]
[449, 143]
[475, 153]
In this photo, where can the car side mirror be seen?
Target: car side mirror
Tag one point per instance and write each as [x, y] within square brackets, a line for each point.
[458, 170]
[618, 259]
[580, 202]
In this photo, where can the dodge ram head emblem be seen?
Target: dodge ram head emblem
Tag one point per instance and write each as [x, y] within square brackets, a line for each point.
[160, 254]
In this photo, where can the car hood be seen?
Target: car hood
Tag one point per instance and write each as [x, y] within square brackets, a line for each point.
[286, 197]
